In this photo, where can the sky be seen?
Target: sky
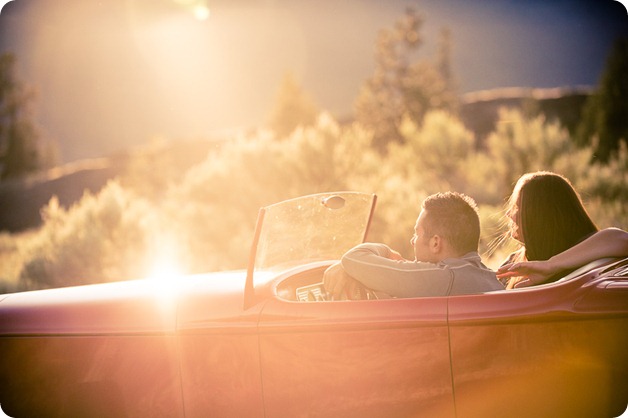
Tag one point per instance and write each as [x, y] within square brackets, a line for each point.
[110, 74]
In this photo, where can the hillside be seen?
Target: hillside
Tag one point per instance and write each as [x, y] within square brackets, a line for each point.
[21, 200]
[479, 110]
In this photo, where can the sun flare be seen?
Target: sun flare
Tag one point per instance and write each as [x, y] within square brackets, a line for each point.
[199, 8]
[165, 279]
[165, 270]
[201, 12]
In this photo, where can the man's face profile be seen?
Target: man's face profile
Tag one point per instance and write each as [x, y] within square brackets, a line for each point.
[420, 241]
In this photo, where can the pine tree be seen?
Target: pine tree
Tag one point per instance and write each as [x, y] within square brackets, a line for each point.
[19, 140]
[605, 116]
[293, 108]
[402, 86]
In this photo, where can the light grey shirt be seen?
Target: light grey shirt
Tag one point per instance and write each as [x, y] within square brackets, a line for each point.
[369, 264]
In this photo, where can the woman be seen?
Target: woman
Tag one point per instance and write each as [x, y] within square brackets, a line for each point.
[547, 216]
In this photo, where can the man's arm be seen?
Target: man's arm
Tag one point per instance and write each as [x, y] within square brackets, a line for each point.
[378, 267]
[610, 242]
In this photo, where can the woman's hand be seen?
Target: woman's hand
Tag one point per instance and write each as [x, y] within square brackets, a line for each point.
[531, 272]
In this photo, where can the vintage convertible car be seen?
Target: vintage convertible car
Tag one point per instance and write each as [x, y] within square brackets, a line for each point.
[268, 343]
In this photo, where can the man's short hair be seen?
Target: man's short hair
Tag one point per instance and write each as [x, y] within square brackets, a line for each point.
[454, 217]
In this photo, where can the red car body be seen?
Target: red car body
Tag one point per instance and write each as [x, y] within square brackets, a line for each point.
[224, 344]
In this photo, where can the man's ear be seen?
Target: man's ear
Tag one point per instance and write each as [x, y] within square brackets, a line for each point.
[436, 244]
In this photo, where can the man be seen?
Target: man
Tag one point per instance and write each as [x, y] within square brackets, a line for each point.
[445, 241]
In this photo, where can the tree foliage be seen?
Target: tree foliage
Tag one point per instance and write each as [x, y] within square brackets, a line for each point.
[293, 108]
[402, 86]
[21, 151]
[605, 117]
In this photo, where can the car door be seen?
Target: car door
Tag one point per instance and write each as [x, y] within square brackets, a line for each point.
[548, 351]
[218, 350]
[377, 358]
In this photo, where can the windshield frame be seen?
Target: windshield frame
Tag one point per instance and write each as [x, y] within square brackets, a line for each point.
[316, 227]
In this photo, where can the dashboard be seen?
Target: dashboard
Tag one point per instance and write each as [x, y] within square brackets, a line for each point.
[303, 285]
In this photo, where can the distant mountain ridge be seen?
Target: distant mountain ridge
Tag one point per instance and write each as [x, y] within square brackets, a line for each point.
[479, 110]
[21, 200]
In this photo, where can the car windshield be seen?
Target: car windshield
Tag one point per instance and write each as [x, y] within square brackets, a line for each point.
[311, 228]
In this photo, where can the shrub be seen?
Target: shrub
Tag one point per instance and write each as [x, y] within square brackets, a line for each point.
[101, 238]
[205, 220]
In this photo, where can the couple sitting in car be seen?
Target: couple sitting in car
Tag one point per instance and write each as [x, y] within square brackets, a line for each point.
[545, 214]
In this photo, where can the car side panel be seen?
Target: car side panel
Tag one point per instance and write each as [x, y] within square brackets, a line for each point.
[221, 376]
[97, 350]
[95, 376]
[542, 352]
[219, 353]
[356, 358]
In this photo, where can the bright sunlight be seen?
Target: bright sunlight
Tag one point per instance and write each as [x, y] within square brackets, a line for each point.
[201, 12]
[198, 8]
[166, 274]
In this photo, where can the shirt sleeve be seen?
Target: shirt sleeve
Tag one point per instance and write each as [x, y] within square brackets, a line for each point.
[369, 264]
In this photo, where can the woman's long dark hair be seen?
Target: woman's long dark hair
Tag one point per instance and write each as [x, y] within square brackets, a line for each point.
[549, 215]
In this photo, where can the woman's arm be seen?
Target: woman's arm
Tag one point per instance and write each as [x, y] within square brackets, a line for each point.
[610, 242]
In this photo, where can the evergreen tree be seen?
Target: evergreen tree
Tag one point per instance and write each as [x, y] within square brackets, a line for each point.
[448, 97]
[402, 86]
[605, 116]
[19, 149]
[293, 108]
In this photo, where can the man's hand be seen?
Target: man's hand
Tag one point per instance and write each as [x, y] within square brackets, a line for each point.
[531, 272]
[341, 286]
[394, 255]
